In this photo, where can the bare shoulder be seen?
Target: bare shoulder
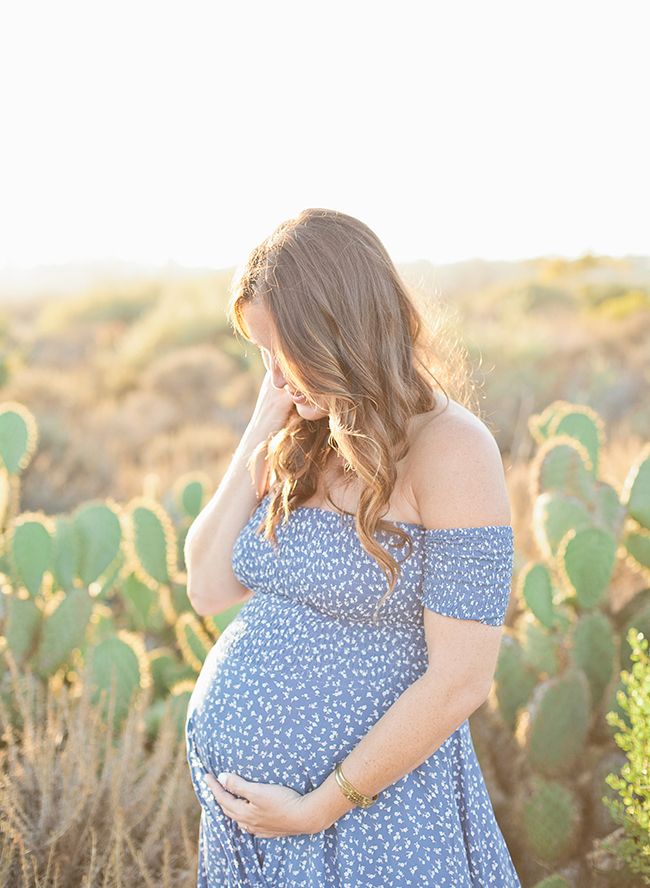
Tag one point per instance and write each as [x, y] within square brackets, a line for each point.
[454, 472]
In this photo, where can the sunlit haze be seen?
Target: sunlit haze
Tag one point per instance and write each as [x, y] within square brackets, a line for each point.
[185, 131]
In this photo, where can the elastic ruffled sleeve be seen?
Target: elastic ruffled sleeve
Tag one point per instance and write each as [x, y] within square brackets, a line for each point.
[468, 571]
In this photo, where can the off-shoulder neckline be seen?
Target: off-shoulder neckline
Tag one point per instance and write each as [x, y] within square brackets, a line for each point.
[322, 511]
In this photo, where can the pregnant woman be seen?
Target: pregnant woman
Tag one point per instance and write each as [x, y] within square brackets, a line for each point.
[364, 519]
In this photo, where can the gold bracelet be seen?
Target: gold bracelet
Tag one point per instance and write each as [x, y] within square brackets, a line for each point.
[350, 792]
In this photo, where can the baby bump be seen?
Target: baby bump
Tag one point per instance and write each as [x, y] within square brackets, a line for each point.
[285, 693]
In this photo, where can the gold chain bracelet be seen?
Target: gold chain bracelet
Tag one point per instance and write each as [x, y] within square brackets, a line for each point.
[350, 792]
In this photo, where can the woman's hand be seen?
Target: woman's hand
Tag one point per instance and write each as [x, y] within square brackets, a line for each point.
[266, 810]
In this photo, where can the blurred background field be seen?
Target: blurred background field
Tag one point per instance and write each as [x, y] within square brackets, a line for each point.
[143, 376]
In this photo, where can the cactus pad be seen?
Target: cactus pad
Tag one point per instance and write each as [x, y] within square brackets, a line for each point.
[31, 550]
[100, 534]
[118, 659]
[556, 724]
[640, 620]
[514, 680]
[222, 621]
[24, 619]
[65, 556]
[18, 436]
[152, 541]
[142, 605]
[63, 631]
[192, 640]
[190, 493]
[594, 648]
[610, 512]
[553, 882]
[583, 424]
[537, 591]
[167, 670]
[637, 545]
[540, 649]
[563, 464]
[554, 514]
[551, 821]
[587, 559]
[636, 492]
[539, 423]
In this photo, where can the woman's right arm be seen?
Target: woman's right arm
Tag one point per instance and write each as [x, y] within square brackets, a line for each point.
[211, 583]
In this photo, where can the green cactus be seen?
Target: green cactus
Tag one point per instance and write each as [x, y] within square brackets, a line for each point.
[583, 424]
[563, 464]
[121, 659]
[609, 511]
[553, 882]
[190, 493]
[152, 542]
[23, 622]
[64, 565]
[551, 822]
[514, 680]
[167, 670]
[554, 728]
[31, 550]
[192, 640]
[100, 533]
[636, 491]
[142, 605]
[540, 648]
[554, 514]
[539, 423]
[595, 650]
[62, 632]
[586, 559]
[536, 588]
[637, 545]
[219, 622]
[18, 436]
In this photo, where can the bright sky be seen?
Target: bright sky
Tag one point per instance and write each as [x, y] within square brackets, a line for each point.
[154, 130]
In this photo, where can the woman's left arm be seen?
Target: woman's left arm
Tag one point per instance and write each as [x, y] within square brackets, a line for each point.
[465, 489]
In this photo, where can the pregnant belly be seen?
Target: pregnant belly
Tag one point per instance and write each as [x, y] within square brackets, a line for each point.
[285, 693]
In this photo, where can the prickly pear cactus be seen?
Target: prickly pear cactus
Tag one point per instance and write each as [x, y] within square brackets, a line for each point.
[151, 542]
[554, 515]
[563, 464]
[193, 641]
[62, 632]
[586, 559]
[120, 666]
[18, 436]
[551, 819]
[514, 680]
[100, 533]
[595, 652]
[536, 587]
[31, 550]
[554, 727]
[636, 492]
[584, 425]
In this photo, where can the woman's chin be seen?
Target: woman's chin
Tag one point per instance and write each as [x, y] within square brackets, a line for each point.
[308, 411]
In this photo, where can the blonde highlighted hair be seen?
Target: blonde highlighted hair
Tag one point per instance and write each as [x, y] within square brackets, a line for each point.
[349, 334]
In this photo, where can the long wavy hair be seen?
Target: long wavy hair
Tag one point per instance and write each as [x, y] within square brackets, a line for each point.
[349, 334]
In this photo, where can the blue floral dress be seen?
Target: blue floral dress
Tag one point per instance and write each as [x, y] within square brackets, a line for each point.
[302, 674]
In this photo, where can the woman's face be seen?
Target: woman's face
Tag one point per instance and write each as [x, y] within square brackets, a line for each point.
[261, 332]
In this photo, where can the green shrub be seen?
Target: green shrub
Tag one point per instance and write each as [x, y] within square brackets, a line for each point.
[632, 810]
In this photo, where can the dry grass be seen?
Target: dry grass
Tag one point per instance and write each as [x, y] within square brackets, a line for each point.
[82, 808]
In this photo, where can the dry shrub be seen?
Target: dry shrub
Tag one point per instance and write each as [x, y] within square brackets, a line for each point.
[82, 807]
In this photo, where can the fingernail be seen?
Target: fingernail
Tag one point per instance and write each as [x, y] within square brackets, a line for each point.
[222, 778]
